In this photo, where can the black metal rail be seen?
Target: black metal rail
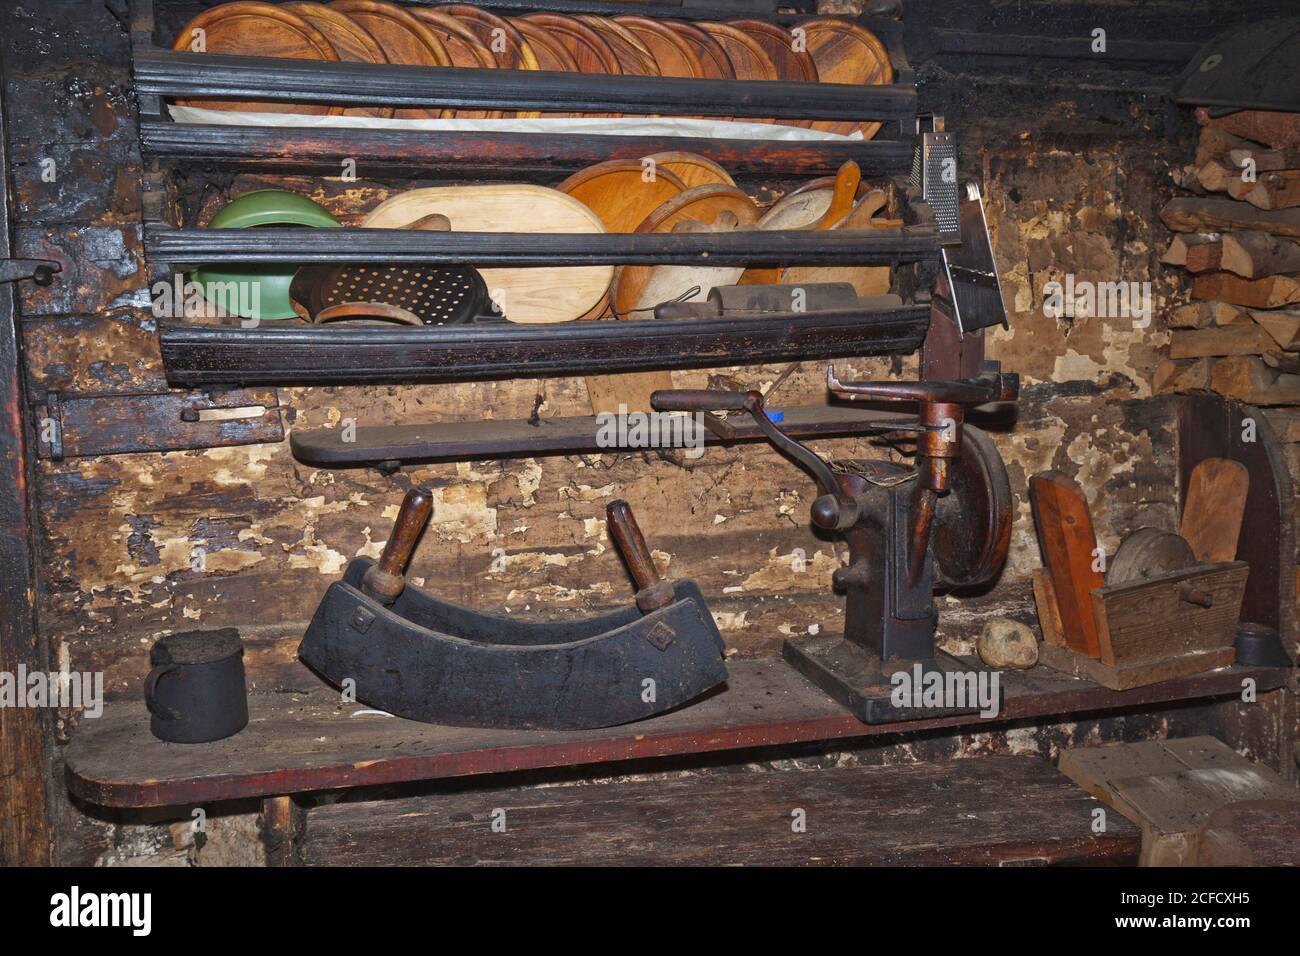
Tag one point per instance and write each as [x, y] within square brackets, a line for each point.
[215, 76]
[203, 355]
[489, 249]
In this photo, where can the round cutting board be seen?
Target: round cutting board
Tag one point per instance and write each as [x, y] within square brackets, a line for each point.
[405, 40]
[256, 29]
[748, 60]
[351, 42]
[1148, 553]
[633, 57]
[526, 294]
[846, 53]
[779, 44]
[673, 56]
[588, 48]
[506, 44]
[618, 193]
[463, 47]
[551, 54]
[702, 204]
[714, 64]
[692, 168]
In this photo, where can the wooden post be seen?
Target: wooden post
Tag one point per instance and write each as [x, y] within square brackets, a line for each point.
[24, 761]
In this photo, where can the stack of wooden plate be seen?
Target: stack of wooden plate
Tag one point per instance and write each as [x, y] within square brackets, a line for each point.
[371, 31]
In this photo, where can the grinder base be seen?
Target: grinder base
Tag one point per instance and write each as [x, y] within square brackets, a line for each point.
[855, 678]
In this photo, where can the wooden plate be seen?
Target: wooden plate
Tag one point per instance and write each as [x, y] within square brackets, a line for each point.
[714, 64]
[405, 40]
[508, 47]
[551, 54]
[258, 29]
[779, 43]
[588, 48]
[464, 48]
[673, 56]
[846, 53]
[617, 192]
[531, 294]
[702, 204]
[692, 168]
[748, 60]
[633, 57]
[351, 42]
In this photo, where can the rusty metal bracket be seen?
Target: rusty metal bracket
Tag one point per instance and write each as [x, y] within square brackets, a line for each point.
[85, 426]
[40, 271]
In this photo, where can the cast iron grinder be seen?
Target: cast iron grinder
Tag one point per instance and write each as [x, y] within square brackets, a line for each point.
[944, 523]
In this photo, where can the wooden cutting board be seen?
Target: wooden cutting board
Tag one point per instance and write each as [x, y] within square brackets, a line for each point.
[464, 48]
[351, 41]
[256, 29]
[623, 192]
[839, 203]
[503, 40]
[530, 294]
[551, 55]
[692, 168]
[673, 56]
[633, 57]
[866, 280]
[588, 48]
[1067, 542]
[791, 61]
[1215, 505]
[748, 59]
[700, 204]
[404, 38]
[846, 53]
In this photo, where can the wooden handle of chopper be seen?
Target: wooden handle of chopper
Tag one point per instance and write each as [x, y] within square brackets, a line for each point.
[385, 580]
[652, 593]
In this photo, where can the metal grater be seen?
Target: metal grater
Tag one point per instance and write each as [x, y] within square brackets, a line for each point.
[971, 271]
[935, 156]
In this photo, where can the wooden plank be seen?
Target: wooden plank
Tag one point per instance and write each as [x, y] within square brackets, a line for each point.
[1213, 509]
[1068, 545]
[995, 810]
[1269, 292]
[304, 740]
[1217, 214]
[1049, 615]
[1227, 340]
[1140, 674]
[24, 822]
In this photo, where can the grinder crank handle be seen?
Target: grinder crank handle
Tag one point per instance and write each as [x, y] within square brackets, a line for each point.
[834, 510]
[385, 581]
[652, 592]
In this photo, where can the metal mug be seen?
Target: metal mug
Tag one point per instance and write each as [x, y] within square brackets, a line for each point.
[195, 692]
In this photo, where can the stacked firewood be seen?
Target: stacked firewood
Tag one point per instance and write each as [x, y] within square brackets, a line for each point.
[1238, 235]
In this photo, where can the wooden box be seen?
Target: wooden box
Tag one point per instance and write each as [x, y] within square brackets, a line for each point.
[1152, 630]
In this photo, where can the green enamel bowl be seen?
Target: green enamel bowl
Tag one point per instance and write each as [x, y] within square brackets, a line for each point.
[260, 292]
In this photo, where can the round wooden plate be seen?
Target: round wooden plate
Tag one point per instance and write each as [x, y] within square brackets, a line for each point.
[779, 43]
[405, 41]
[748, 60]
[588, 48]
[257, 29]
[551, 54]
[506, 44]
[692, 168]
[672, 55]
[464, 48]
[618, 193]
[531, 294]
[351, 42]
[714, 64]
[702, 204]
[633, 57]
[846, 53]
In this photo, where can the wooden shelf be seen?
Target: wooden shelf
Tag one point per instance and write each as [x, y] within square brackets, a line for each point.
[993, 811]
[471, 441]
[308, 740]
